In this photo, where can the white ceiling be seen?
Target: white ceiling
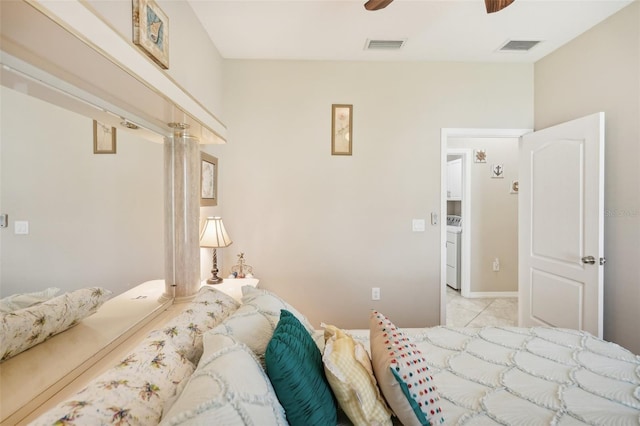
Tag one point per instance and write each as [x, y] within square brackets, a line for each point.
[446, 30]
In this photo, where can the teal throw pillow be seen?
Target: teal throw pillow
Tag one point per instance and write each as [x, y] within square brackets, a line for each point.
[294, 366]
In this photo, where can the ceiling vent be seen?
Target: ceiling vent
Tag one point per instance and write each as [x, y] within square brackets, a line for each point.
[384, 44]
[519, 45]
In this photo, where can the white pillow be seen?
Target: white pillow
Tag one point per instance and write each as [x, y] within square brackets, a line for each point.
[24, 300]
[256, 319]
[228, 388]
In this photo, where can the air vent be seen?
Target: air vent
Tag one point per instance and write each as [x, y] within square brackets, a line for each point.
[384, 44]
[519, 45]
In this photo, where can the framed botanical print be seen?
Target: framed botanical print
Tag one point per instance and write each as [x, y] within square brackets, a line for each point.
[341, 129]
[208, 180]
[104, 138]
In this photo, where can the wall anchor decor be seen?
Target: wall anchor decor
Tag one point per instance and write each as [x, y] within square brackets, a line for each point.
[497, 171]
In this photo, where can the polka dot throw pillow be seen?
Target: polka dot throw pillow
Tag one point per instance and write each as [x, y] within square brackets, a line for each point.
[403, 375]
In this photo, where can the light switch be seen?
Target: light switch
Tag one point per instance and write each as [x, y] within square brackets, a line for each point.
[434, 218]
[21, 227]
[418, 225]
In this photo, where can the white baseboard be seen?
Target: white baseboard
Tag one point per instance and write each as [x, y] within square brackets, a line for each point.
[484, 294]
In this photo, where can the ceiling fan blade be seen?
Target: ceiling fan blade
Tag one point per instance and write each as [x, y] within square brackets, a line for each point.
[496, 5]
[377, 4]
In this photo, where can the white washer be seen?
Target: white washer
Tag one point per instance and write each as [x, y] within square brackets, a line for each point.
[454, 230]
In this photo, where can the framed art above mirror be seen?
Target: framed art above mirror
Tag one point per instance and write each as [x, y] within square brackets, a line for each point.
[208, 180]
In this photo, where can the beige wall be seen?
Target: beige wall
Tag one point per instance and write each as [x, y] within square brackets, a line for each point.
[323, 230]
[94, 220]
[600, 71]
[494, 215]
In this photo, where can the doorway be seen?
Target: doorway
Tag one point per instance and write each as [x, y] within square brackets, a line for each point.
[475, 270]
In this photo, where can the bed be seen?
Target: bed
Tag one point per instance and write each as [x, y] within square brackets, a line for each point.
[221, 361]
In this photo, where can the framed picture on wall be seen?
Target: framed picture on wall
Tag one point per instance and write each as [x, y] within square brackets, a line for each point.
[208, 180]
[151, 31]
[514, 187]
[104, 138]
[341, 129]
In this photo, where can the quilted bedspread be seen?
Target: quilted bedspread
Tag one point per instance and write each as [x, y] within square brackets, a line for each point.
[529, 376]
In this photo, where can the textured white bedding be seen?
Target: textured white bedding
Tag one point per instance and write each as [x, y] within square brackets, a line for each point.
[529, 376]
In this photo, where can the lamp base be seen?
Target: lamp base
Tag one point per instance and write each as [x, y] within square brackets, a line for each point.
[214, 280]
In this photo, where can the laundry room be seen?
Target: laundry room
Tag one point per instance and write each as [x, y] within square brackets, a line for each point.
[482, 223]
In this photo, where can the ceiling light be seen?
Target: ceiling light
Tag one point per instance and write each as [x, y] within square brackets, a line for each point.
[129, 125]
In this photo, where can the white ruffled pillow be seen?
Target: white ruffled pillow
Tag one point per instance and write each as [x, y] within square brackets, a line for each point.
[27, 327]
[256, 319]
[228, 388]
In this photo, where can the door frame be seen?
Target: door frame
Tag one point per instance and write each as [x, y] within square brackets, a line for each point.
[445, 134]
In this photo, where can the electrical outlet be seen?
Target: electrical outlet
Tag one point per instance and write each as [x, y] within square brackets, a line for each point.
[375, 293]
[496, 264]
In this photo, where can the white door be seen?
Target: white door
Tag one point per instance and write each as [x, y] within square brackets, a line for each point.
[561, 203]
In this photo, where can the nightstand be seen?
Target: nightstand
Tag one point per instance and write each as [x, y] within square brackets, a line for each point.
[233, 286]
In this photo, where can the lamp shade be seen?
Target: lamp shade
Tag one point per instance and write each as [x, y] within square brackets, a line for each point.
[213, 234]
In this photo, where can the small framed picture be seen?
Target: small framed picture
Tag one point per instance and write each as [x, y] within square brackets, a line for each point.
[104, 138]
[341, 129]
[480, 156]
[151, 31]
[497, 171]
[514, 187]
[208, 180]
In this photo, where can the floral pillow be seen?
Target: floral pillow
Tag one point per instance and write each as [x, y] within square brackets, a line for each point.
[27, 327]
[207, 310]
[133, 392]
[137, 389]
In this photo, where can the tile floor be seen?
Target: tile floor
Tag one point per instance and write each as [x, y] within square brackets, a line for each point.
[463, 312]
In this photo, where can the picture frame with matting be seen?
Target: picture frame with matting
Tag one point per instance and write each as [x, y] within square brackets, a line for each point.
[151, 31]
[104, 138]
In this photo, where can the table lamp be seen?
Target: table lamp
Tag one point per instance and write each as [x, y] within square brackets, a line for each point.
[214, 236]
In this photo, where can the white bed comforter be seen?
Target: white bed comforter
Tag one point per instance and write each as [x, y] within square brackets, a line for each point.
[529, 376]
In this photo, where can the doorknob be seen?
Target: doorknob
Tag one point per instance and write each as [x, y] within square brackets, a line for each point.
[590, 260]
